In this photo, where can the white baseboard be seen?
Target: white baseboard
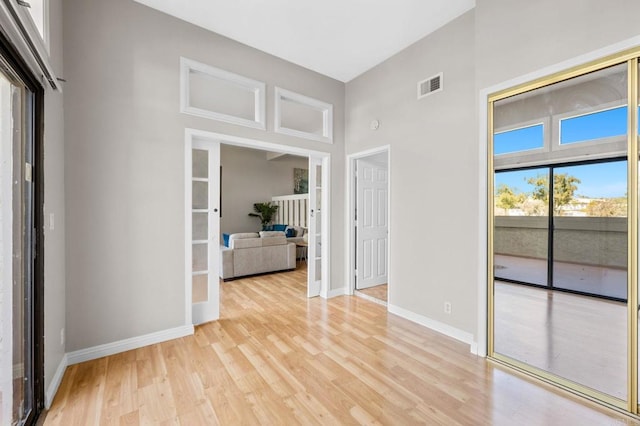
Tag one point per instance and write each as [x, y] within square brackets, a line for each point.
[99, 351]
[438, 326]
[55, 382]
[336, 292]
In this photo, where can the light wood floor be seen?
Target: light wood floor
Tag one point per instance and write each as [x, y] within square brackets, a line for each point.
[276, 357]
[377, 292]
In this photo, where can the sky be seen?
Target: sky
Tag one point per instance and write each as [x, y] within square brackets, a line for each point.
[604, 180]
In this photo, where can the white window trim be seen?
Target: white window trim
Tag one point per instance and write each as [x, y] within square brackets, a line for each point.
[27, 40]
[601, 148]
[325, 108]
[258, 88]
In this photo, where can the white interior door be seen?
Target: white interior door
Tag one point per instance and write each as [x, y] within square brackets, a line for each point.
[314, 251]
[372, 222]
[205, 230]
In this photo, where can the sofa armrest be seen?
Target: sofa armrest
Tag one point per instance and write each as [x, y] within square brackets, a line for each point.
[291, 255]
[226, 263]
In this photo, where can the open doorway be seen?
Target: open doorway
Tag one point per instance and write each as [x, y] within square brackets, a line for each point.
[263, 191]
[203, 254]
[369, 217]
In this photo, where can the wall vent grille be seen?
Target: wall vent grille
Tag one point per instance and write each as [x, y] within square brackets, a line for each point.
[429, 86]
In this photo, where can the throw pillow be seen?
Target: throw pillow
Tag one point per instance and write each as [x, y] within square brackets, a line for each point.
[279, 227]
[291, 232]
[225, 239]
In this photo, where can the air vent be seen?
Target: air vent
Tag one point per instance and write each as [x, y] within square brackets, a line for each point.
[429, 86]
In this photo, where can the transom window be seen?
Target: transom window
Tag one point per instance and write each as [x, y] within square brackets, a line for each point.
[520, 139]
[593, 126]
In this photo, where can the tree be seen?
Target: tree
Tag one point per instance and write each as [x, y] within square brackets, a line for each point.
[564, 186]
[506, 197]
[609, 207]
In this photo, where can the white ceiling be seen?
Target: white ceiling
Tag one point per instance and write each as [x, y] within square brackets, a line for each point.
[338, 38]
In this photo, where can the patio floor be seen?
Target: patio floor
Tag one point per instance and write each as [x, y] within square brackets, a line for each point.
[600, 280]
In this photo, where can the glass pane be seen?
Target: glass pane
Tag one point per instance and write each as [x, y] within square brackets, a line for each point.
[17, 139]
[218, 95]
[521, 139]
[596, 125]
[318, 269]
[574, 324]
[297, 116]
[200, 163]
[318, 219]
[200, 195]
[590, 229]
[318, 247]
[37, 11]
[521, 226]
[200, 288]
[586, 107]
[200, 260]
[199, 226]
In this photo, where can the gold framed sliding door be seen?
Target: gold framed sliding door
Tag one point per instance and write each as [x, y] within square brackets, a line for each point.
[562, 229]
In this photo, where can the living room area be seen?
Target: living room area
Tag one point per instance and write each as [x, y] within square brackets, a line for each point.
[264, 212]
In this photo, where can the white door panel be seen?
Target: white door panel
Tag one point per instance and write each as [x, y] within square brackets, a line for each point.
[372, 226]
[205, 231]
[314, 250]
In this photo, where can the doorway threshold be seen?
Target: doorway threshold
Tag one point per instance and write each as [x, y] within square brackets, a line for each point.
[365, 296]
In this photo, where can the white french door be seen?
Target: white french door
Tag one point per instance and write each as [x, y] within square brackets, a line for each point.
[204, 205]
[314, 251]
[372, 224]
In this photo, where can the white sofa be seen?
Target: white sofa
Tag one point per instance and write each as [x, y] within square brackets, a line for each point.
[252, 253]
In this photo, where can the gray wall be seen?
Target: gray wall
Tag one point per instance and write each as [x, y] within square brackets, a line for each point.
[54, 199]
[124, 149]
[433, 170]
[434, 142]
[600, 241]
[514, 38]
[247, 178]
[124, 159]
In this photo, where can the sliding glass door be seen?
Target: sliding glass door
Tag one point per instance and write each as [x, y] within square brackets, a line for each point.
[21, 321]
[559, 231]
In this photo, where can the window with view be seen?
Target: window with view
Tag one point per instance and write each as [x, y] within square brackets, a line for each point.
[593, 126]
[518, 140]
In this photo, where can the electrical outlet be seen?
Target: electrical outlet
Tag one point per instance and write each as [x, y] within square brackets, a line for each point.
[447, 307]
[62, 337]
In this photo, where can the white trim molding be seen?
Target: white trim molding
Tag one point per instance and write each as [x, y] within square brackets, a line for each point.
[255, 87]
[194, 136]
[107, 349]
[324, 108]
[52, 389]
[350, 237]
[437, 326]
[337, 292]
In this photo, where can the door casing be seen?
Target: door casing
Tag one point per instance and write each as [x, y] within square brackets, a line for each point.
[351, 208]
[195, 135]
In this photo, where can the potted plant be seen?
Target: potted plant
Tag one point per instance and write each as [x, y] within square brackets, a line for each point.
[264, 212]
